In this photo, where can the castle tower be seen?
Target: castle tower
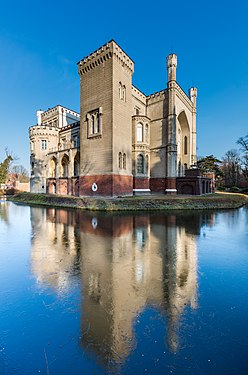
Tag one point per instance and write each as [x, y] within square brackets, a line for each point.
[171, 147]
[105, 122]
[42, 138]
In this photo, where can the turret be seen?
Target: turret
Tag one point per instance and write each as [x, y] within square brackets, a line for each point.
[39, 113]
[172, 67]
[193, 95]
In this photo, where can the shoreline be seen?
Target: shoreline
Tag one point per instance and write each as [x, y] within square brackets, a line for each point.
[135, 203]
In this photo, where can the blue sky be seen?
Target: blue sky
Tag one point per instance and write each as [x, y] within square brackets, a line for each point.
[41, 42]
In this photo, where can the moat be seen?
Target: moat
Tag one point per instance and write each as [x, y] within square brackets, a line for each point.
[98, 293]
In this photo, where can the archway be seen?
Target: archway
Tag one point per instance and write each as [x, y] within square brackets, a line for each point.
[183, 141]
[76, 165]
[187, 189]
[52, 167]
[64, 166]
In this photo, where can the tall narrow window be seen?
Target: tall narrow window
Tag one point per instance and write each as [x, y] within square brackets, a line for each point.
[92, 124]
[120, 160]
[139, 133]
[147, 164]
[140, 164]
[64, 164]
[124, 93]
[147, 134]
[120, 90]
[44, 144]
[76, 166]
[98, 129]
[124, 161]
[185, 145]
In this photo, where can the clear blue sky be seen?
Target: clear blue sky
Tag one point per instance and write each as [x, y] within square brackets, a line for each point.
[41, 42]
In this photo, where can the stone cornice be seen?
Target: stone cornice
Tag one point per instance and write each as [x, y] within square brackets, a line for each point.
[137, 118]
[104, 53]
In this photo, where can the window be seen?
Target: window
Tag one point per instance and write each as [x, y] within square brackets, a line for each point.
[98, 123]
[44, 144]
[147, 164]
[75, 141]
[124, 161]
[139, 133]
[94, 122]
[140, 164]
[122, 91]
[185, 145]
[137, 111]
[120, 160]
[76, 166]
[65, 164]
[147, 133]
[52, 169]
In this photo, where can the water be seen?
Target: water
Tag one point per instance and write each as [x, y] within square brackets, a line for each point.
[91, 293]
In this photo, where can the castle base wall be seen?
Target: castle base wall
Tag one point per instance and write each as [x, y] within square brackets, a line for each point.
[171, 185]
[157, 185]
[105, 185]
[141, 185]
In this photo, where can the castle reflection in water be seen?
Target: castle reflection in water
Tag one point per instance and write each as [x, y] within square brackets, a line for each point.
[125, 264]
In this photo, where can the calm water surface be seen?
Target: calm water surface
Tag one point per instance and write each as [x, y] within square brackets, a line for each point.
[90, 293]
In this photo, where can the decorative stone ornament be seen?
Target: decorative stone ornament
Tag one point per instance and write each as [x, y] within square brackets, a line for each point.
[94, 187]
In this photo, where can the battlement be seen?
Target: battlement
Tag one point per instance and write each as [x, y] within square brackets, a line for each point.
[71, 126]
[104, 53]
[139, 94]
[157, 96]
[42, 130]
[51, 112]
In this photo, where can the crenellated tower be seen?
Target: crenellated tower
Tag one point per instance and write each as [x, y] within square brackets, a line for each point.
[106, 116]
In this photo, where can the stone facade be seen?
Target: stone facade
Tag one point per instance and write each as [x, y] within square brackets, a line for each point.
[125, 142]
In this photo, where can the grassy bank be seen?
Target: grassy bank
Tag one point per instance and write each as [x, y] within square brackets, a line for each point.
[136, 203]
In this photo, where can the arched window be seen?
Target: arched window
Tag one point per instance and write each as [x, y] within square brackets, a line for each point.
[185, 145]
[120, 160]
[179, 169]
[147, 134]
[64, 164]
[147, 164]
[124, 93]
[92, 124]
[124, 161]
[98, 123]
[140, 164]
[52, 171]
[76, 165]
[120, 90]
[139, 133]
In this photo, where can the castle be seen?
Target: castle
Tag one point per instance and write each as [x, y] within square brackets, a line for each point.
[122, 142]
